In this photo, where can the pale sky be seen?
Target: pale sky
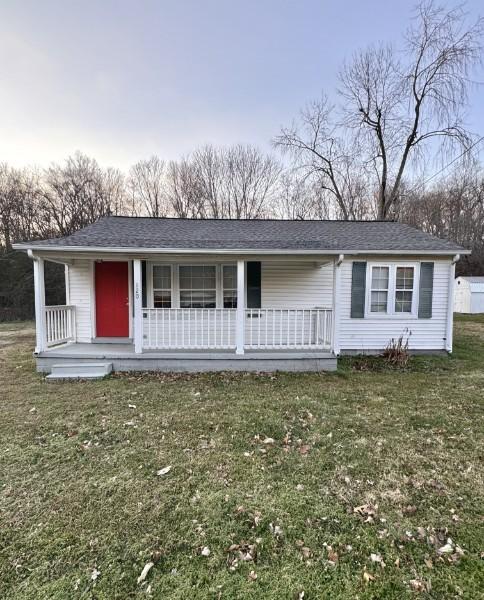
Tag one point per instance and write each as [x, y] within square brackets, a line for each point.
[124, 79]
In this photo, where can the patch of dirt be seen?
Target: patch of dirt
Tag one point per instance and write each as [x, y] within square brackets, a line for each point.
[472, 328]
[15, 336]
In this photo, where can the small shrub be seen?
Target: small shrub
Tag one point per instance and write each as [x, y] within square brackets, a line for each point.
[396, 353]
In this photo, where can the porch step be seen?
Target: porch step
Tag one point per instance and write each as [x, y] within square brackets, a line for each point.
[97, 370]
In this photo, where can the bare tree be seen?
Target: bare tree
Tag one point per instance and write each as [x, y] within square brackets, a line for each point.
[250, 182]
[77, 194]
[394, 110]
[453, 209]
[232, 183]
[183, 190]
[147, 187]
[19, 205]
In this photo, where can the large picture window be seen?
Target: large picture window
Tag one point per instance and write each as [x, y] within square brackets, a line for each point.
[162, 286]
[392, 289]
[198, 286]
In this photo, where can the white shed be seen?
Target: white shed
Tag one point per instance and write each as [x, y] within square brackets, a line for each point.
[469, 295]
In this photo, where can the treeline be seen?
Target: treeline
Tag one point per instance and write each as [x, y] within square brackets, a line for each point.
[238, 182]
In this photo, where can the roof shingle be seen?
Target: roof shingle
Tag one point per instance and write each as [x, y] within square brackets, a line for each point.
[225, 234]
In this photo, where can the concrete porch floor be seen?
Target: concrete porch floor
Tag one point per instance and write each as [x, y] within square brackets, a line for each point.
[123, 358]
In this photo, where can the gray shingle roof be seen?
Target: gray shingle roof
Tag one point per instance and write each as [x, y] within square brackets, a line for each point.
[220, 234]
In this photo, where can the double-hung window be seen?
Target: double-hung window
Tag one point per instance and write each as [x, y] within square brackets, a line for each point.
[198, 286]
[380, 279]
[229, 286]
[162, 286]
[392, 289]
[404, 283]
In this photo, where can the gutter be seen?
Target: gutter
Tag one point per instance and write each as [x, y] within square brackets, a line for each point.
[255, 251]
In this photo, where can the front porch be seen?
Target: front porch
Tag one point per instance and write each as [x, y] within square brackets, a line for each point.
[189, 339]
[124, 358]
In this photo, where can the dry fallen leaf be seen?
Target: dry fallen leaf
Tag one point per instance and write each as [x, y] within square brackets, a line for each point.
[275, 530]
[409, 510]
[417, 585]
[205, 551]
[448, 548]
[368, 576]
[366, 510]
[145, 571]
[252, 576]
[164, 471]
[332, 555]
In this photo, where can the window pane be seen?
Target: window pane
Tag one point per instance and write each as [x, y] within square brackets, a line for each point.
[230, 276]
[197, 299]
[161, 277]
[404, 278]
[198, 277]
[379, 302]
[379, 278]
[230, 299]
[403, 301]
[162, 299]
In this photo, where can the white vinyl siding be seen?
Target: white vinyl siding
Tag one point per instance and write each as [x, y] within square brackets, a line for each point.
[375, 331]
[296, 285]
[305, 284]
[80, 283]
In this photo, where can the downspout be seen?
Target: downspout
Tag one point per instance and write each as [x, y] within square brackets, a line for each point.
[336, 302]
[450, 305]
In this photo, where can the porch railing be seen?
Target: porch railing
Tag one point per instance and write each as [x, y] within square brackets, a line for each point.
[291, 328]
[189, 328]
[59, 325]
[215, 328]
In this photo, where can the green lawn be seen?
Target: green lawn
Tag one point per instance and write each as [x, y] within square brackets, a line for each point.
[266, 474]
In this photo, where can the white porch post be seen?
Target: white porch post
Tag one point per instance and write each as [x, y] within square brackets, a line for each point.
[240, 322]
[336, 302]
[138, 312]
[39, 292]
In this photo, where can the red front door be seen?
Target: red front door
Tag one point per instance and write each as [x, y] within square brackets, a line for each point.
[112, 299]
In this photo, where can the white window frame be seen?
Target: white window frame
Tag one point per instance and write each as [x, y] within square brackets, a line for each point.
[175, 281]
[222, 288]
[198, 265]
[152, 287]
[392, 284]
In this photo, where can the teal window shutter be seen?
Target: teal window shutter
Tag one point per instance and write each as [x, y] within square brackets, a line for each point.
[358, 290]
[426, 289]
[253, 285]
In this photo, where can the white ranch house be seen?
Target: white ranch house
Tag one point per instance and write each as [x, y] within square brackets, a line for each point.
[198, 295]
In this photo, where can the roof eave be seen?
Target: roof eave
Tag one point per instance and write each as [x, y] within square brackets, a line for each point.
[251, 251]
